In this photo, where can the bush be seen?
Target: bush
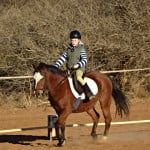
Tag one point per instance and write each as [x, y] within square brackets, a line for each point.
[115, 34]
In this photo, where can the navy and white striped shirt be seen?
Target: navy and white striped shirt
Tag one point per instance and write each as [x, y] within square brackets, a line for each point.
[63, 58]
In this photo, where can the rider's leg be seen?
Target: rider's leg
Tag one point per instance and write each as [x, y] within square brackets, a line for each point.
[79, 75]
[87, 91]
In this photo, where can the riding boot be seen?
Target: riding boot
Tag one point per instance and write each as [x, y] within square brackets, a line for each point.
[88, 92]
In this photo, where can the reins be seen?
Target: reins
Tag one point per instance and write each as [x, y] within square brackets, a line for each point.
[69, 73]
[59, 84]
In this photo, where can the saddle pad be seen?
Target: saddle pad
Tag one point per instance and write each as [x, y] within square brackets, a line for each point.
[91, 83]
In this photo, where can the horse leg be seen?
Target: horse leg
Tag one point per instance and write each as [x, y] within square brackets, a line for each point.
[57, 128]
[95, 117]
[61, 127]
[107, 117]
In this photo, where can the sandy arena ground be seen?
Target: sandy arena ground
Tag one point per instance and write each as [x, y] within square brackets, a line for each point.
[121, 137]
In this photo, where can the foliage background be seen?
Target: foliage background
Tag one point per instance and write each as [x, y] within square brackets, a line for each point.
[115, 33]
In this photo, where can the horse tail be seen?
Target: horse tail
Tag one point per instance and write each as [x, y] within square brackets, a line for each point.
[122, 103]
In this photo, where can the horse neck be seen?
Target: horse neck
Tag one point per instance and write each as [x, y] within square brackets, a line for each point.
[52, 80]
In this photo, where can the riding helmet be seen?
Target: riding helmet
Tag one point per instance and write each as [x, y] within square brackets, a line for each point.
[75, 34]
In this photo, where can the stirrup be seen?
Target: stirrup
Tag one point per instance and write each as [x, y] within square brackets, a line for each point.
[76, 104]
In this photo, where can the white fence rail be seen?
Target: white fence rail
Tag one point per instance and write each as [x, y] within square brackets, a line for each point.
[128, 70]
[74, 125]
[28, 77]
[16, 77]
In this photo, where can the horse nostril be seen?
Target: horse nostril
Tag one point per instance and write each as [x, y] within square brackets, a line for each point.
[38, 93]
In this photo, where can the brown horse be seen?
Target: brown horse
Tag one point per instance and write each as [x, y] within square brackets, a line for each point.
[54, 80]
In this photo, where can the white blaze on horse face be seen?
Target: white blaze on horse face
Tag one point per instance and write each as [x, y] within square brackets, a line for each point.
[37, 76]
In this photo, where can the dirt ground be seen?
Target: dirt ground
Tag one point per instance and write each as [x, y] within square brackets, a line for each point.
[121, 137]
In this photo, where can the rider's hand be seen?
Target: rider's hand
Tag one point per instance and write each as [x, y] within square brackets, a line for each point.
[76, 66]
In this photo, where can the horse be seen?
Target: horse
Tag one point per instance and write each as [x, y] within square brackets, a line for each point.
[55, 81]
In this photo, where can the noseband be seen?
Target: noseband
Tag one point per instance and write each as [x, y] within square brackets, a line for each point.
[50, 90]
[69, 73]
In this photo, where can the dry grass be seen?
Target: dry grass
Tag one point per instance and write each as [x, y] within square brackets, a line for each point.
[115, 33]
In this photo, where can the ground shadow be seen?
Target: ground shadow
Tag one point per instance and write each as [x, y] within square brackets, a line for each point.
[20, 139]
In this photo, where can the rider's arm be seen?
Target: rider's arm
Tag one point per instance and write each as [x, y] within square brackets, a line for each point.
[61, 60]
[83, 58]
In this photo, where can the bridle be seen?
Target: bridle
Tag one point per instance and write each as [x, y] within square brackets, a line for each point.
[41, 90]
[58, 85]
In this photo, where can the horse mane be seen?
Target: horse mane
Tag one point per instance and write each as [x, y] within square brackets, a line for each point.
[52, 69]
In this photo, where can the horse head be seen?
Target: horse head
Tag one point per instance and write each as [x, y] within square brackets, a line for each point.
[47, 77]
[39, 77]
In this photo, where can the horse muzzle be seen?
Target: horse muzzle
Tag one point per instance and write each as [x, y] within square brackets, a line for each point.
[38, 93]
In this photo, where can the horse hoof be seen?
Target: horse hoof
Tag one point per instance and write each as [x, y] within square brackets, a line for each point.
[94, 135]
[61, 143]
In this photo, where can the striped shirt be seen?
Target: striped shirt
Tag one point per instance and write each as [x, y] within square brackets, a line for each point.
[82, 62]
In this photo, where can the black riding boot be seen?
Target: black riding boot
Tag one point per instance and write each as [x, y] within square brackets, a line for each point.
[88, 92]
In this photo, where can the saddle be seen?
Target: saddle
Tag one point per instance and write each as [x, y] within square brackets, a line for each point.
[77, 89]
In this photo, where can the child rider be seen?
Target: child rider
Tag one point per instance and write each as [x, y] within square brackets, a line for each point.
[76, 58]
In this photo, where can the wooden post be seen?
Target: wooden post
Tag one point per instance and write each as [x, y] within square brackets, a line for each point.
[51, 126]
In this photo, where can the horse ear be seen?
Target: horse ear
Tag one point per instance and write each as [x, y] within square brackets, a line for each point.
[42, 64]
[34, 66]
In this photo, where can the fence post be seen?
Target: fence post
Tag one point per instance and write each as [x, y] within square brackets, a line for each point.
[51, 126]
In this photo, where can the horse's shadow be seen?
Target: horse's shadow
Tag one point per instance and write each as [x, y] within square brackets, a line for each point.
[21, 139]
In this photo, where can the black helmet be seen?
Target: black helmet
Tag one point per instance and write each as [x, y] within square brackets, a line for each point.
[75, 34]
